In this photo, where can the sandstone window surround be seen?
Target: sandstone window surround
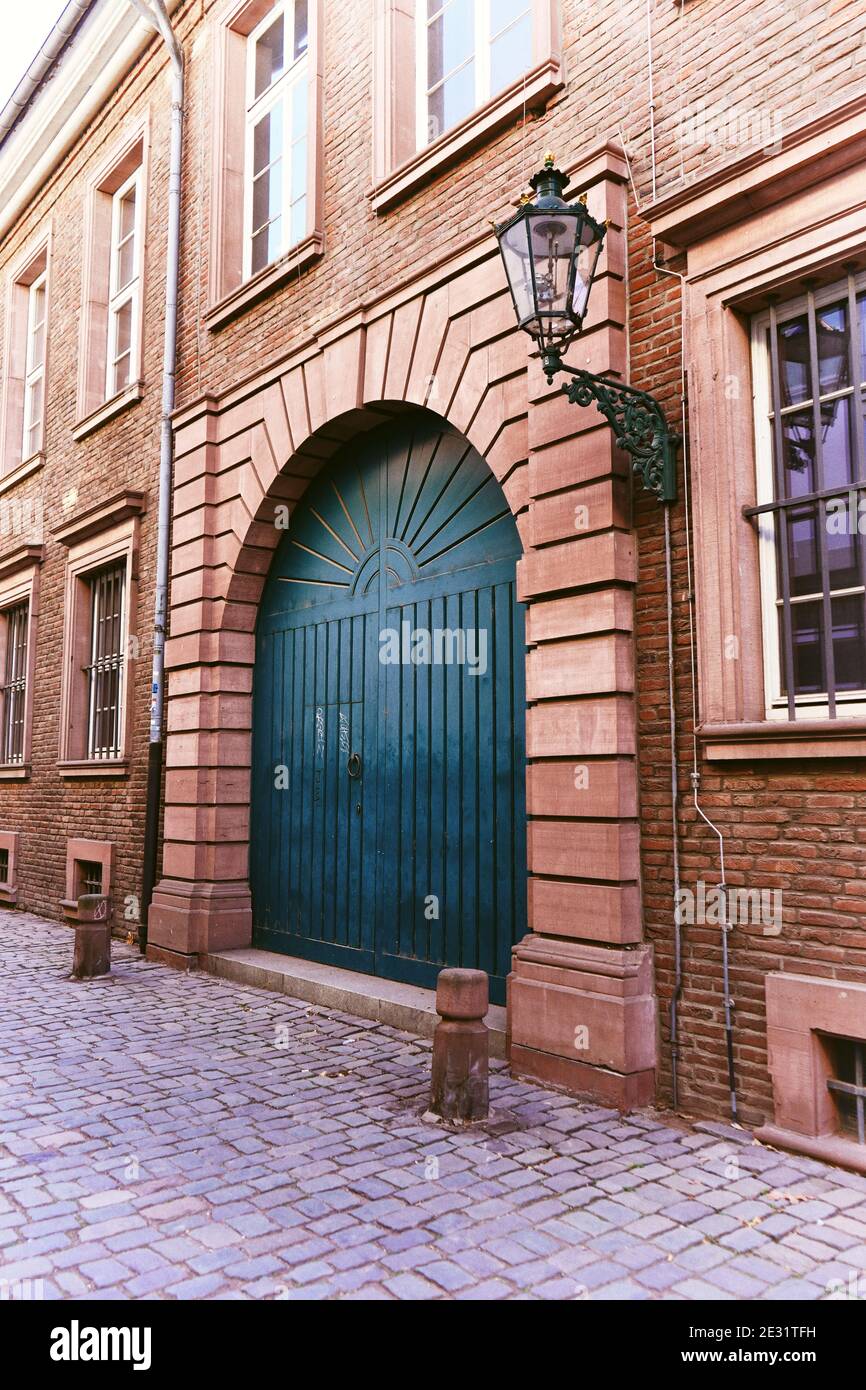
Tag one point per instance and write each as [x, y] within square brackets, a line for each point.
[432, 101]
[267, 201]
[769, 229]
[26, 364]
[809, 413]
[99, 636]
[806, 1018]
[112, 298]
[88, 863]
[8, 868]
[19, 614]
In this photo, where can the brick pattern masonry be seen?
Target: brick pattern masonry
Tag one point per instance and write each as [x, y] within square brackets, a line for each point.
[287, 1159]
[799, 827]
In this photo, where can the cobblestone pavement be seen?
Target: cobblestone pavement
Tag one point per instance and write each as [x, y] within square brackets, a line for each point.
[170, 1136]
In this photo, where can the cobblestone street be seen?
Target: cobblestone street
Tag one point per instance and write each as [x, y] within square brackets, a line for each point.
[170, 1136]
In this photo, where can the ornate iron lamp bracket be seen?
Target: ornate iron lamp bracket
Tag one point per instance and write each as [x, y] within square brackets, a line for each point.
[637, 420]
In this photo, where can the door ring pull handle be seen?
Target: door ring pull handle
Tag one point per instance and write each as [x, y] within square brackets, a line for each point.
[353, 766]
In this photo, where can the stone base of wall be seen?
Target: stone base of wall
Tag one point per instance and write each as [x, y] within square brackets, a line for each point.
[584, 1017]
[579, 1079]
[191, 919]
[829, 1148]
[171, 959]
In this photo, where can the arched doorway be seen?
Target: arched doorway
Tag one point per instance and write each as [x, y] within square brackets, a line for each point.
[388, 803]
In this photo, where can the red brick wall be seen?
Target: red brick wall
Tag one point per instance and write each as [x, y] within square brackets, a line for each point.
[748, 60]
[797, 827]
[48, 809]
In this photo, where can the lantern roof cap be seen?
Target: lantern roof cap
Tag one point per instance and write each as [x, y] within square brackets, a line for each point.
[548, 186]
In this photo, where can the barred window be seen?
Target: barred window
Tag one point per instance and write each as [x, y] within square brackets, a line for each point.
[808, 358]
[848, 1084]
[105, 672]
[88, 877]
[13, 691]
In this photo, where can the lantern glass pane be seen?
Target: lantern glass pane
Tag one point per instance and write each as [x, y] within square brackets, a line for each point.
[585, 264]
[514, 244]
[552, 238]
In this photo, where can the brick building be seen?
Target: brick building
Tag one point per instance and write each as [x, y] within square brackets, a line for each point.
[363, 444]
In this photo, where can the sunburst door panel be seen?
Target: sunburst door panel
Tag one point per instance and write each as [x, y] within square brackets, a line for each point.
[388, 750]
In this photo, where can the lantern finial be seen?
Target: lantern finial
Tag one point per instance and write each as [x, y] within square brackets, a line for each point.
[550, 253]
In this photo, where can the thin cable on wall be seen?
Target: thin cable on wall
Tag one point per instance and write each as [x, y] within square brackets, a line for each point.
[523, 132]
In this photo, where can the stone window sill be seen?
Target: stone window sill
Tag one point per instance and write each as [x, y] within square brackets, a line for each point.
[21, 471]
[831, 1148]
[116, 767]
[8, 894]
[14, 772]
[261, 284]
[806, 738]
[535, 91]
[107, 412]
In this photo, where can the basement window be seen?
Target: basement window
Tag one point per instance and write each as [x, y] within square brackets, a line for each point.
[4, 866]
[88, 877]
[847, 1085]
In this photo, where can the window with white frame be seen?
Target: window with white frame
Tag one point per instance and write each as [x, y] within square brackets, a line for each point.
[466, 51]
[24, 387]
[124, 288]
[105, 670]
[34, 366]
[275, 184]
[809, 379]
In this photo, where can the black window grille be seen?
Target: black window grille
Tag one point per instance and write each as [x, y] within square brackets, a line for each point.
[848, 1084]
[4, 866]
[816, 358]
[13, 691]
[89, 877]
[105, 671]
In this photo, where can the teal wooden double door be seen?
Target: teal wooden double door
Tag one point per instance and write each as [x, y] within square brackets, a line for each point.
[388, 807]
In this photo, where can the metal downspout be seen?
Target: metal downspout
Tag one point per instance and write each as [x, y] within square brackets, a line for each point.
[695, 776]
[675, 832]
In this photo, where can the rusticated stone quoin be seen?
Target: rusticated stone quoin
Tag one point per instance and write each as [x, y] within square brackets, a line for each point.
[459, 1088]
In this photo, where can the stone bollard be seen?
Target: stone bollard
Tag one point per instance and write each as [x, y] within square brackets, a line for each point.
[92, 938]
[459, 1089]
